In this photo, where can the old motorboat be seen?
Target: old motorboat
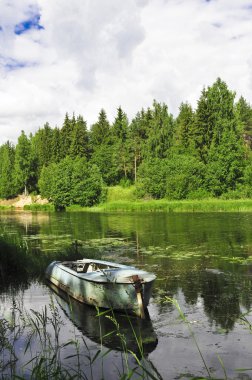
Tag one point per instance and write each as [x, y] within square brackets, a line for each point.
[98, 326]
[103, 284]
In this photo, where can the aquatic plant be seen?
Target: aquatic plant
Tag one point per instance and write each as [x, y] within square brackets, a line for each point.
[43, 353]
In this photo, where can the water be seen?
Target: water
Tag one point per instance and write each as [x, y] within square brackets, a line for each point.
[204, 261]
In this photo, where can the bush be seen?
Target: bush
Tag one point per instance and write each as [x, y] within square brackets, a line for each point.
[71, 182]
[173, 178]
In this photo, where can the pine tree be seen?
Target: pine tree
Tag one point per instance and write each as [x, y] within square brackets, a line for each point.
[183, 142]
[66, 135]
[56, 145]
[80, 139]
[244, 114]
[138, 134]
[161, 130]
[22, 165]
[100, 132]
[215, 111]
[42, 146]
[120, 129]
[7, 157]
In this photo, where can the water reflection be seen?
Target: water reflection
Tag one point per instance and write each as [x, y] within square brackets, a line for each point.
[203, 260]
[114, 330]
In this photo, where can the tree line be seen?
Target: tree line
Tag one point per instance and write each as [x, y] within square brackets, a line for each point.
[201, 153]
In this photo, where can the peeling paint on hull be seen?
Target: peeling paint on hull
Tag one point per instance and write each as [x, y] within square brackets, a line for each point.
[99, 292]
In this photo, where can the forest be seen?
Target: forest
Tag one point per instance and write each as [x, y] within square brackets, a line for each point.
[202, 153]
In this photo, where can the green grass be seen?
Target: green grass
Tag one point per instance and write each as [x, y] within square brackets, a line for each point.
[4, 207]
[207, 205]
[119, 193]
[43, 330]
[38, 207]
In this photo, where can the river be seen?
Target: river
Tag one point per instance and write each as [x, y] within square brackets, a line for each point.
[202, 260]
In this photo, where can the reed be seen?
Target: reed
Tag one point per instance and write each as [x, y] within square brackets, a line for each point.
[37, 207]
[162, 205]
[5, 207]
[44, 348]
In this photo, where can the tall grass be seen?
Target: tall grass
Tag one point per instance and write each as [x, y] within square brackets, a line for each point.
[39, 207]
[207, 205]
[39, 337]
[6, 207]
[119, 193]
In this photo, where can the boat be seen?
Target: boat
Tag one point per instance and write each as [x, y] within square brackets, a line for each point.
[104, 284]
[98, 326]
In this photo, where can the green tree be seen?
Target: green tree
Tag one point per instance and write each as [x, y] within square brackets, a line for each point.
[103, 158]
[160, 136]
[7, 157]
[103, 150]
[183, 141]
[42, 146]
[215, 112]
[66, 135]
[86, 183]
[22, 165]
[100, 133]
[226, 163]
[138, 135]
[120, 135]
[80, 139]
[71, 182]
[56, 145]
[244, 113]
[178, 177]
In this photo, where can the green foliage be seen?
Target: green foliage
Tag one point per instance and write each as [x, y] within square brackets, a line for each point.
[201, 153]
[39, 207]
[71, 182]
[244, 113]
[226, 164]
[152, 178]
[22, 166]
[103, 158]
[115, 193]
[174, 178]
[66, 136]
[100, 132]
[7, 157]
[160, 134]
[183, 142]
[80, 141]
[215, 114]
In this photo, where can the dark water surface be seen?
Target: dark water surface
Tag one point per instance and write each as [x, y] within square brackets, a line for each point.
[204, 261]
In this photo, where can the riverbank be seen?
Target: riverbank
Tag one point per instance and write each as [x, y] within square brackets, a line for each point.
[207, 205]
[22, 201]
[121, 199]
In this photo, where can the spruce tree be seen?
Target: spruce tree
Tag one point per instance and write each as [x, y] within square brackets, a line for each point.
[7, 157]
[160, 136]
[66, 135]
[80, 139]
[183, 142]
[22, 165]
[120, 129]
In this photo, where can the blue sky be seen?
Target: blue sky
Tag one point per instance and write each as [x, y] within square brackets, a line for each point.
[80, 56]
[32, 22]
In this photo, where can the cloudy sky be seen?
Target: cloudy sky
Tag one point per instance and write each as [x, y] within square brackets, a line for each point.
[59, 56]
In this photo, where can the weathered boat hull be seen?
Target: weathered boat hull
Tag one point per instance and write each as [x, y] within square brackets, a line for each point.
[85, 318]
[107, 294]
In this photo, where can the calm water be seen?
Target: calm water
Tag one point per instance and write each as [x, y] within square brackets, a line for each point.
[202, 260]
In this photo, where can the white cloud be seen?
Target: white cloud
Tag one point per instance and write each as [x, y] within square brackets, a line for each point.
[94, 54]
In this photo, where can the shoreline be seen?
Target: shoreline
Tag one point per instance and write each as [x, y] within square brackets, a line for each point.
[162, 205]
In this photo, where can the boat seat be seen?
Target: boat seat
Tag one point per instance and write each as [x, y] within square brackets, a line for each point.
[83, 268]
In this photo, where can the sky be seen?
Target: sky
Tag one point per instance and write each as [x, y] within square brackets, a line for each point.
[79, 56]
